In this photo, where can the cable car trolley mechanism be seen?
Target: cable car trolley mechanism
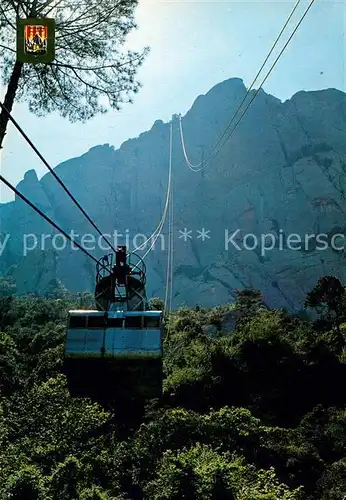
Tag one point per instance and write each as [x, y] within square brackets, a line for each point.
[118, 346]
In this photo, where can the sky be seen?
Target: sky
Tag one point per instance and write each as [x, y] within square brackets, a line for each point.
[194, 45]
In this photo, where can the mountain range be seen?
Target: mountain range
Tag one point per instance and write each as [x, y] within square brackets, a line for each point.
[268, 211]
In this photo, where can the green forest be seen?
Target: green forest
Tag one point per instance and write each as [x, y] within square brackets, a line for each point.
[256, 413]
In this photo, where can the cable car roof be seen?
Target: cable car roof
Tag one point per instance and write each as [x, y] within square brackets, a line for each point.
[115, 314]
[85, 311]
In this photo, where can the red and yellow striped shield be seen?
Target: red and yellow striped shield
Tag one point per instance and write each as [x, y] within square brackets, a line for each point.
[36, 39]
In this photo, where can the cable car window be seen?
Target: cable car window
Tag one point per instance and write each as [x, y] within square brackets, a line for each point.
[133, 322]
[150, 322]
[115, 322]
[96, 321]
[77, 321]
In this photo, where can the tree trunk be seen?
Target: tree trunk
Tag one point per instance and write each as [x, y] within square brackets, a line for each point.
[9, 99]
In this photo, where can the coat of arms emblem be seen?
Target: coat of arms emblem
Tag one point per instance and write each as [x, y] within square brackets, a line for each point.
[35, 39]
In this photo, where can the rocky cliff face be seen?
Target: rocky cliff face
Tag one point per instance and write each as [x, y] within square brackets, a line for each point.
[281, 174]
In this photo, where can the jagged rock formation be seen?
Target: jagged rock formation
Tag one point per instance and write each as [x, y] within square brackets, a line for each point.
[282, 172]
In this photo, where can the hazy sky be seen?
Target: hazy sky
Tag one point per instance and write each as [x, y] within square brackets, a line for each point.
[194, 45]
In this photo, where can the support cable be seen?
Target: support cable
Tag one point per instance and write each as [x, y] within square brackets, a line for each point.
[268, 74]
[172, 249]
[45, 217]
[154, 236]
[198, 167]
[168, 262]
[33, 147]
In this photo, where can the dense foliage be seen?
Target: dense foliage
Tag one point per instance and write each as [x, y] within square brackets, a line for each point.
[257, 413]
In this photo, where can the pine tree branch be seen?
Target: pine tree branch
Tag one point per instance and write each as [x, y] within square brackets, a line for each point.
[95, 68]
[93, 24]
[47, 4]
[3, 13]
[7, 48]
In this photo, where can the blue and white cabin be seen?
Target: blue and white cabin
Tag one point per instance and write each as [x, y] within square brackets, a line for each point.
[114, 354]
[115, 349]
[118, 334]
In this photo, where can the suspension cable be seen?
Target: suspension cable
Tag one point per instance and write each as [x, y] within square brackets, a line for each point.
[169, 272]
[45, 217]
[169, 252]
[268, 74]
[259, 71]
[168, 266]
[198, 167]
[21, 131]
[154, 236]
[194, 168]
[172, 254]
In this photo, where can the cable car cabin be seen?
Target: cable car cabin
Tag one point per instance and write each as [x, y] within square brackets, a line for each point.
[109, 352]
[116, 350]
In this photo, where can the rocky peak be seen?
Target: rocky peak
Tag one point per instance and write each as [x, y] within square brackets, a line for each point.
[283, 172]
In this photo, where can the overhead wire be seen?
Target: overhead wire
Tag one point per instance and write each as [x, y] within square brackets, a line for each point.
[168, 264]
[259, 71]
[268, 73]
[154, 236]
[194, 168]
[167, 309]
[168, 209]
[172, 250]
[168, 287]
[44, 216]
[33, 147]
[158, 229]
[198, 167]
